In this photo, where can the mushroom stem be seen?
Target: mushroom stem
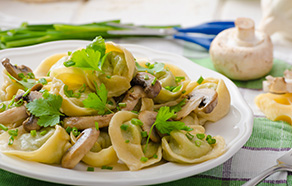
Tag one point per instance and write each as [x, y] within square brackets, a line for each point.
[87, 121]
[13, 115]
[245, 29]
[132, 97]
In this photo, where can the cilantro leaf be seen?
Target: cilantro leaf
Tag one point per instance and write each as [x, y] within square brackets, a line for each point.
[97, 100]
[164, 126]
[47, 109]
[89, 58]
[151, 68]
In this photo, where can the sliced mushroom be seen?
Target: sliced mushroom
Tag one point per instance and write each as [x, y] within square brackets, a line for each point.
[151, 86]
[204, 100]
[132, 97]
[84, 143]
[13, 115]
[148, 118]
[85, 122]
[31, 124]
[14, 70]
[30, 97]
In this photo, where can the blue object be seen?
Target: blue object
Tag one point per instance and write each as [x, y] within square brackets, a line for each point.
[207, 32]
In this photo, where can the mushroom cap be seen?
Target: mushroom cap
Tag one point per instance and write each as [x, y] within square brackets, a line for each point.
[14, 70]
[242, 53]
[31, 124]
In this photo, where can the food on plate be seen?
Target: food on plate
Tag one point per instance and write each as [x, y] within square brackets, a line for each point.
[276, 104]
[105, 108]
[242, 53]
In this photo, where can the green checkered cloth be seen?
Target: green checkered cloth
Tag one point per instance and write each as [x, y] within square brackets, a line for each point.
[269, 139]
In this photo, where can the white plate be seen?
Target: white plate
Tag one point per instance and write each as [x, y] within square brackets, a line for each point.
[236, 127]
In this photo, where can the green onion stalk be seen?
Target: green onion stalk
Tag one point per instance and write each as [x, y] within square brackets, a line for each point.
[30, 34]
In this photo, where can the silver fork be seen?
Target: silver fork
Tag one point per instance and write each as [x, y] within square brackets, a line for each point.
[284, 163]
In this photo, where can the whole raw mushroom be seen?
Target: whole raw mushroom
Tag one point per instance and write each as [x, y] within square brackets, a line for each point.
[242, 53]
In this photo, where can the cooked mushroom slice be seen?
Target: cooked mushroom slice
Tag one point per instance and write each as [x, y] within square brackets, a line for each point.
[30, 97]
[85, 122]
[13, 115]
[204, 100]
[31, 124]
[151, 86]
[14, 70]
[148, 118]
[132, 98]
[84, 143]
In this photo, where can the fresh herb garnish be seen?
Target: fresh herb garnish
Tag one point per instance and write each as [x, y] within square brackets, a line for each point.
[3, 127]
[47, 109]
[164, 126]
[2, 107]
[144, 159]
[150, 68]
[178, 106]
[92, 57]
[107, 167]
[97, 100]
[26, 83]
[91, 169]
[179, 78]
[200, 80]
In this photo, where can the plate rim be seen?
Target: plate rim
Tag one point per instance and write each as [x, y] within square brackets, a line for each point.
[237, 99]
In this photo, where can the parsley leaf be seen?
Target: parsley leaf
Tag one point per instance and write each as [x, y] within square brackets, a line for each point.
[91, 57]
[151, 68]
[97, 100]
[178, 106]
[47, 109]
[164, 126]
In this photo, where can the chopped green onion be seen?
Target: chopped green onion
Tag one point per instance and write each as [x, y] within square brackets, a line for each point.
[96, 125]
[184, 91]
[19, 103]
[189, 136]
[122, 105]
[144, 134]
[146, 77]
[154, 81]
[127, 141]
[200, 80]
[21, 75]
[108, 76]
[3, 107]
[43, 81]
[75, 131]
[69, 63]
[11, 140]
[176, 89]
[136, 121]
[82, 88]
[179, 78]
[68, 129]
[44, 132]
[107, 167]
[3, 127]
[211, 141]
[134, 111]
[144, 159]
[124, 127]
[13, 132]
[198, 143]
[91, 169]
[200, 136]
[155, 156]
[31, 75]
[33, 132]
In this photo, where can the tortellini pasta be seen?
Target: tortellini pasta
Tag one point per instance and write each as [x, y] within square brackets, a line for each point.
[102, 153]
[48, 148]
[108, 113]
[178, 147]
[128, 143]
